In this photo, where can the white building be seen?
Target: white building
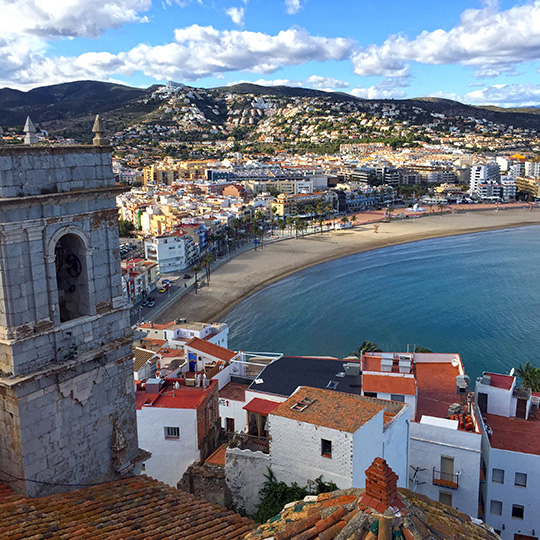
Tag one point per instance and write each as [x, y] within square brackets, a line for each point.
[173, 253]
[339, 434]
[177, 424]
[178, 332]
[445, 440]
[511, 456]
[482, 173]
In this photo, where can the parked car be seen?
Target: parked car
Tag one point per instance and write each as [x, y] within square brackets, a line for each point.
[163, 289]
[145, 303]
[151, 304]
[187, 276]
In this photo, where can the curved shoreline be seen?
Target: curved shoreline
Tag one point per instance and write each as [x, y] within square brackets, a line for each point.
[249, 272]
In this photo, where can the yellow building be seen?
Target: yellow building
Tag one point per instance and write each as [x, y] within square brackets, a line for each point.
[529, 185]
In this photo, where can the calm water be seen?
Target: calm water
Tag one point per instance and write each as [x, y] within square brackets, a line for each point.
[478, 295]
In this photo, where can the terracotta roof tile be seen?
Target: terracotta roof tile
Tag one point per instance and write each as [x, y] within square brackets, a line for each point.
[345, 412]
[211, 348]
[136, 508]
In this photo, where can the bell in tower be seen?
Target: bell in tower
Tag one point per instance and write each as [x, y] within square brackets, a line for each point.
[66, 377]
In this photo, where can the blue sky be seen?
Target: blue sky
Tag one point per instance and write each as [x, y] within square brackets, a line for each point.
[475, 51]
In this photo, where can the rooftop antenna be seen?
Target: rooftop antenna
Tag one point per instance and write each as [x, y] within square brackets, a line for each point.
[29, 132]
[99, 139]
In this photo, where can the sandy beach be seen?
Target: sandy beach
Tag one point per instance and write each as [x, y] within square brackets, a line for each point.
[249, 272]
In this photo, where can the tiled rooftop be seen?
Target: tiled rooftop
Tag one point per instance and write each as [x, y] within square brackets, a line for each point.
[389, 384]
[211, 348]
[515, 434]
[346, 513]
[136, 508]
[234, 391]
[335, 410]
[185, 397]
[436, 388]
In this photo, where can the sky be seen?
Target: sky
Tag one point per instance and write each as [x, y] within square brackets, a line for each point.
[473, 51]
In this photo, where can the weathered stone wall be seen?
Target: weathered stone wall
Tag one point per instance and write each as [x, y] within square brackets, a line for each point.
[207, 481]
[244, 473]
[39, 170]
[67, 404]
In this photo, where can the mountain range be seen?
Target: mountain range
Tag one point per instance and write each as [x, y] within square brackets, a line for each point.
[68, 109]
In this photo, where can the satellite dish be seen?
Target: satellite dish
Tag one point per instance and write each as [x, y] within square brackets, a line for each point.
[455, 362]
[512, 371]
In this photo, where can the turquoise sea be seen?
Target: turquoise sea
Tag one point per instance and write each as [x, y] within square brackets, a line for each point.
[477, 295]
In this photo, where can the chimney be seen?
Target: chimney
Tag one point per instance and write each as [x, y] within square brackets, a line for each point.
[381, 487]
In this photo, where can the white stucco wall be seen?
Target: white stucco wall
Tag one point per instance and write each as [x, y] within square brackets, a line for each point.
[510, 494]
[367, 445]
[170, 457]
[428, 443]
[229, 408]
[500, 400]
[396, 446]
[295, 452]
[409, 400]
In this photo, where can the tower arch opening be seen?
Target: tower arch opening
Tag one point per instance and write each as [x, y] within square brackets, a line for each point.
[71, 277]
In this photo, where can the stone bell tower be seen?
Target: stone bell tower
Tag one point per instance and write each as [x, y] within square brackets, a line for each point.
[67, 401]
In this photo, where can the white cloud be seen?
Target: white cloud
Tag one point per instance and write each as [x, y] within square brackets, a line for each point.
[490, 40]
[505, 95]
[292, 6]
[68, 18]
[195, 53]
[329, 84]
[383, 90]
[236, 15]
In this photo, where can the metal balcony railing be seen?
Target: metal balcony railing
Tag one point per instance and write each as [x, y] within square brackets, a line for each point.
[448, 480]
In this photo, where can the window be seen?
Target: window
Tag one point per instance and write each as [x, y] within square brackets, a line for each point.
[370, 394]
[326, 448]
[497, 476]
[517, 511]
[172, 432]
[521, 479]
[445, 498]
[496, 507]
[397, 397]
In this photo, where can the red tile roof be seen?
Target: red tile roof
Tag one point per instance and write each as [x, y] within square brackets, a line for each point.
[436, 383]
[515, 434]
[186, 397]
[335, 410]
[261, 406]
[234, 391]
[211, 349]
[501, 381]
[389, 384]
[218, 457]
[136, 508]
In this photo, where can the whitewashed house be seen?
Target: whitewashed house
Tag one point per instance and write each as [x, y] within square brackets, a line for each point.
[444, 436]
[511, 456]
[336, 436]
[177, 424]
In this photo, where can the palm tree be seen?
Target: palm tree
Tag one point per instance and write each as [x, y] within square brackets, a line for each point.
[369, 346]
[353, 219]
[206, 262]
[196, 269]
[530, 375]
[282, 224]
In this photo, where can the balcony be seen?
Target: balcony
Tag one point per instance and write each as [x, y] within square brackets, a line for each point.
[250, 442]
[447, 480]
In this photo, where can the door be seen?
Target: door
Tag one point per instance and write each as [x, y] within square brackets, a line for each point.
[521, 408]
[230, 425]
[482, 402]
[447, 469]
